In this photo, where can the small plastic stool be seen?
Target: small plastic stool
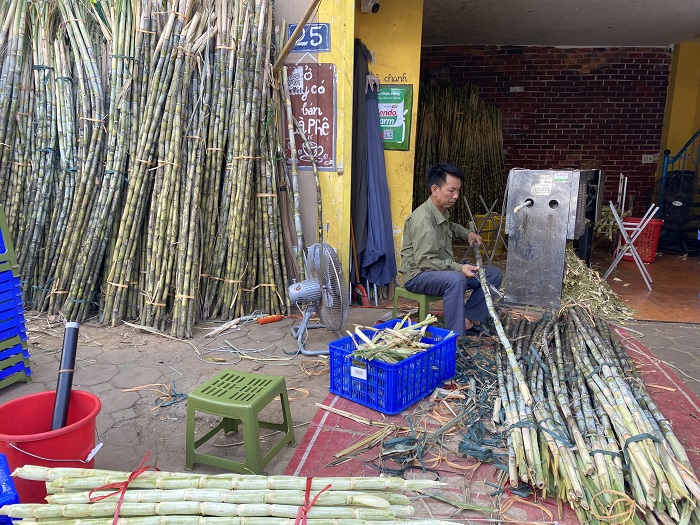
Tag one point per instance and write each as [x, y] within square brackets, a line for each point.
[423, 301]
[238, 398]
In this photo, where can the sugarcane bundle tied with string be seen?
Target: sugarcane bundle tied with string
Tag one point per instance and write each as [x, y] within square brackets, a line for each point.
[82, 496]
[581, 424]
[142, 164]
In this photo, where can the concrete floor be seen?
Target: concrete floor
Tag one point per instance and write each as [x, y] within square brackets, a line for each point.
[113, 360]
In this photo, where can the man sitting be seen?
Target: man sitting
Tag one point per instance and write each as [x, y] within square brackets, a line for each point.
[427, 262]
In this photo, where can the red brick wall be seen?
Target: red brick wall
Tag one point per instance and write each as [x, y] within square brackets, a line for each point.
[578, 107]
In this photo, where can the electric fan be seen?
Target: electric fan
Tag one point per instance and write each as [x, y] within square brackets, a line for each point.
[324, 293]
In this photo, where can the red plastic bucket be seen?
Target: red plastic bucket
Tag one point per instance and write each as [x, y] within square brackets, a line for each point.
[26, 437]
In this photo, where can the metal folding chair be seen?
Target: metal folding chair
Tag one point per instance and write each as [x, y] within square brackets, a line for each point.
[629, 233]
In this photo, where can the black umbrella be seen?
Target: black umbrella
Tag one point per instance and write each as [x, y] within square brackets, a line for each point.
[358, 185]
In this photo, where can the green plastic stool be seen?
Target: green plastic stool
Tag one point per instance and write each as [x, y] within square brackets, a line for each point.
[238, 398]
[423, 301]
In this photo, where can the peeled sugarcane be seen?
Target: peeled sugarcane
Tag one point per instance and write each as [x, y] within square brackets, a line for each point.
[200, 497]
[392, 345]
[282, 497]
[228, 520]
[193, 508]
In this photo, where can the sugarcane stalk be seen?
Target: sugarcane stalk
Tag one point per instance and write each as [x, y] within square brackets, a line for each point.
[229, 520]
[524, 390]
[86, 479]
[104, 509]
[280, 497]
[295, 178]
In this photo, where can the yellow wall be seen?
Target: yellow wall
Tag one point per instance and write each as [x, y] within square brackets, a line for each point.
[682, 117]
[335, 185]
[394, 36]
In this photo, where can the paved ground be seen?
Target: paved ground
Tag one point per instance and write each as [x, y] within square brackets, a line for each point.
[113, 360]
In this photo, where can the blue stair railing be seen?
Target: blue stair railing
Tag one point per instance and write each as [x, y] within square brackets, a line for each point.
[685, 161]
[678, 199]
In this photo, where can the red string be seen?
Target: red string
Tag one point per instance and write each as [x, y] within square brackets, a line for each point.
[121, 487]
[303, 510]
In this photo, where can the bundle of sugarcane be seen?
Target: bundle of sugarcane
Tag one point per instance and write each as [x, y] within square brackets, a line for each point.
[392, 345]
[81, 496]
[591, 435]
[165, 196]
[455, 125]
[582, 425]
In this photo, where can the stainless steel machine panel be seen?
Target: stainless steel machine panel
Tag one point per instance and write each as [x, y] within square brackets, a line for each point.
[544, 209]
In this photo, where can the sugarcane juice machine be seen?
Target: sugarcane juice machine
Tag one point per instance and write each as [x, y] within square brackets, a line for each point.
[545, 208]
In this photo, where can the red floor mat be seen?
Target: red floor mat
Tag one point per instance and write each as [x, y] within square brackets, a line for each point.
[329, 433]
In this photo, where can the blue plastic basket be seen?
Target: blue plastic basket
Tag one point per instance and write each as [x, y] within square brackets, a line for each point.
[11, 311]
[14, 328]
[390, 388]
[15, 350]
[11, 294]
[8, 276]
[8, 493]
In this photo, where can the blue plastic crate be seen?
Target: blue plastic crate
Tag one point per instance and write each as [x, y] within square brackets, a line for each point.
[11, 311]
[11, 294]
[8, 276]
[9, 343]
[11, 329]
[20, 348]
[17, 364]
[8, 493]
[390, 388]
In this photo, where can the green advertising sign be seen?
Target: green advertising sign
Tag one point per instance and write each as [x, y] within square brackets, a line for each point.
[395, 104]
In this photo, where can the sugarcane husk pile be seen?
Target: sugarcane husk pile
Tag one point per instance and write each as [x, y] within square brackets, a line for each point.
[392, 345]
[455, 125]
[82, 496]
[582, 426]
[140, 163]
[584, 286]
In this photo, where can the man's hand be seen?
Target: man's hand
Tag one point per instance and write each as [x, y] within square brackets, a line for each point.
[474, 238]
[469, 270]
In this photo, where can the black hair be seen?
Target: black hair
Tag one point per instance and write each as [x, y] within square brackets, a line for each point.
[437, 174]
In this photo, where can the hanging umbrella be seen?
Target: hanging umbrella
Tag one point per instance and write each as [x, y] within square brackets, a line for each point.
[378, 258]
[358, 185]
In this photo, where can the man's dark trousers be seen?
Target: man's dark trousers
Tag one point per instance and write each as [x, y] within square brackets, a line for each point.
[451, 286]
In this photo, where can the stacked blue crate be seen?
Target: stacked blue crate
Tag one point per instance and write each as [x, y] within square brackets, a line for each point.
[8, 492]
[14, 357]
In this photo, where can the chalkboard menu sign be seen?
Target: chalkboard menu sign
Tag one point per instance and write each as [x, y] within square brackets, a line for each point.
[312, 93]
